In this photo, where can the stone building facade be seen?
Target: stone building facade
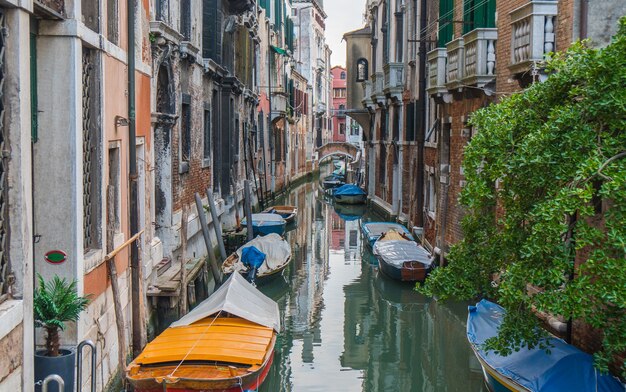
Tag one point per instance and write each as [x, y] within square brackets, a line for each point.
[200, 124]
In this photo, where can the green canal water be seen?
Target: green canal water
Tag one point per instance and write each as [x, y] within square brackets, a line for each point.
[347, 327]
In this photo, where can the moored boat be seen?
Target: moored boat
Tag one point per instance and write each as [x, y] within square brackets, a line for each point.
[401, 258]
[373, 230]
[350, 194]
[563, 368]
[225, 344]
[264, 224]
[276, 255]
[288, 213]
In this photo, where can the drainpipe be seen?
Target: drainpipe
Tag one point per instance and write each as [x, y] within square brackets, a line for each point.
[582, 22]
[134, 213]
[270, 128]
[421, 115]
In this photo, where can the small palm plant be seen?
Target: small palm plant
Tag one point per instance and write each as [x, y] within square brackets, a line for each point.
[55, 303]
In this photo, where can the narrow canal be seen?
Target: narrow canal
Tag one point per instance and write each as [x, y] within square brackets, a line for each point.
[347, 327]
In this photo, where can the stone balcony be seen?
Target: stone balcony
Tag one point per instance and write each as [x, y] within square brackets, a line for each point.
[456, 63]
[394, 80]
[54, 9]
[532, 34]
[367, 94]
[321, 64]
[279, 105]
[436, 82]
[480, 56]
[378, 94]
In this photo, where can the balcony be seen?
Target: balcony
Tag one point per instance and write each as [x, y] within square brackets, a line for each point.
[321, 64]
[532, 34]
[378, 95]
[480, 56]
[456, 63]
[279, 105]
[367, 94]
[54, 9]
[394, 80]
[437, 72]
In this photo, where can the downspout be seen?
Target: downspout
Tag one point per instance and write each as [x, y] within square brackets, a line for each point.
[582, 22]
[271, 126]
[134, 213]
[421, 115]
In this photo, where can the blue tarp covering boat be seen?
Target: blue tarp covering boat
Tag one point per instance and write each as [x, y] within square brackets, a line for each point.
[350, 194]
[565, 368]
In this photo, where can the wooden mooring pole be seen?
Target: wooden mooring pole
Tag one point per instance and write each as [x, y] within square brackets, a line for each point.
[207, 240]
[247, 205]
[217, 225]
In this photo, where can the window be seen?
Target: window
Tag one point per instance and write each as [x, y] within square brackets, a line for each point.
[185, 19]
[399, 34]
[342, 76]
[207, 132]
[92, 151]
[339, 93]
[410, 121]
[385, 30]
[446, 25]
[478, 14]
[185, 129]
[431, 195]
[383, 124]
[113, 198]
[362, 70]
[113, 21]
[396, 123]
[342, 128]
[211, 30]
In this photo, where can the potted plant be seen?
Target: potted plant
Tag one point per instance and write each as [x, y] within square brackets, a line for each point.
[55, 303]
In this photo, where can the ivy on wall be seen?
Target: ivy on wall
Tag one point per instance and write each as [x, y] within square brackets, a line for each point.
[545, 227]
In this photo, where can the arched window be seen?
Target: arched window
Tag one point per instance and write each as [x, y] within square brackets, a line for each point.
[343, 76]
[361, 70]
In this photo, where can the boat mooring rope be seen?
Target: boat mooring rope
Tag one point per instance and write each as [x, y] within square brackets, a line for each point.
[195, 344]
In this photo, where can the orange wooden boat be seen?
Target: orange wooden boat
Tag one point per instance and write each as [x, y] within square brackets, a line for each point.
[225, 344]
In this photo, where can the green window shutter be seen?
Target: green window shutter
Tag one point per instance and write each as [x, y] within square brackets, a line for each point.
[446, 27]
[478, 14]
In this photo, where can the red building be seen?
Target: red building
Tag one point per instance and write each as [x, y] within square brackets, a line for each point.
[340, 89]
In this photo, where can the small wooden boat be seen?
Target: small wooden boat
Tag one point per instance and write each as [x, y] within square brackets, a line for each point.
[373, 230]
[264, 224]
[225, 344]
[401, 258]
[350, 194]
[564, 368]
[288, 213]
[277, 253]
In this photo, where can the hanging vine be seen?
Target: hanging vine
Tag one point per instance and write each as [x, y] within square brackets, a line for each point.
[545, 228]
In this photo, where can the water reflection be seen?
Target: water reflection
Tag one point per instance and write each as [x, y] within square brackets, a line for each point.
[349, 328]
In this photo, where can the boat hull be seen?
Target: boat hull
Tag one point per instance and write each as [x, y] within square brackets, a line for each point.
[351, 199]
[411, 271]
[495, 381]
[266, 229]
[251, 381]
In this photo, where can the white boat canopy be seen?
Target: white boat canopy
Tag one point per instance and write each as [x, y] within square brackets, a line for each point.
[275, 248]
[239, 298]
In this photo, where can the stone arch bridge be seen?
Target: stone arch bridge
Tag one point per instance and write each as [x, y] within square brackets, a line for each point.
[337, 148]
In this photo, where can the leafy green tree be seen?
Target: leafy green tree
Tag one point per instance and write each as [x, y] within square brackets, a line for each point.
[546, 184]
[55, 303]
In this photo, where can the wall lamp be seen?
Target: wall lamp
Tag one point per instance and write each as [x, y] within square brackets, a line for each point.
[121, 122]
